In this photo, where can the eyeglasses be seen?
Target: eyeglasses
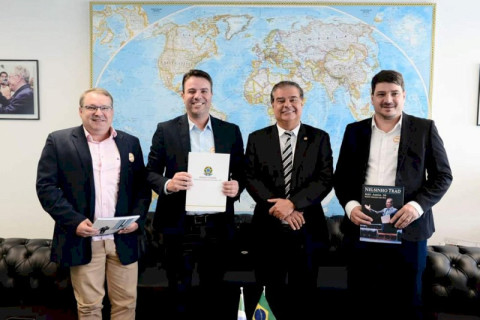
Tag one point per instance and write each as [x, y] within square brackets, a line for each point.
[95, 108]
[292, 100]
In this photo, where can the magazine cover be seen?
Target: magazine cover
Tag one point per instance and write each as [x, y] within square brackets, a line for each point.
[381, 203]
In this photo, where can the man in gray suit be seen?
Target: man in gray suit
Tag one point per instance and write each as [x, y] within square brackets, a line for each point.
[85, 173]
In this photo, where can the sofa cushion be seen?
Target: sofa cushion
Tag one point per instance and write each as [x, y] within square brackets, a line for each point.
[452, 279]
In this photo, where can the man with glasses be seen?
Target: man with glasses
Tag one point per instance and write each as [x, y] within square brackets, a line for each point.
[21, 102]
[85, 173]
[289, 172]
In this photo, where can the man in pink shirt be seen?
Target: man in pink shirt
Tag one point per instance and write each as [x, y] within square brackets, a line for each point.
[85, 173]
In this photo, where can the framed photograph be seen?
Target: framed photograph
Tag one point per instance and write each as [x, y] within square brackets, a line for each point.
[19, 90]
[478, 105]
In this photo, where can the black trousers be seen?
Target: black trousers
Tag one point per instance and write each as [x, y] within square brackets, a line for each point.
[385, 280]
[201, 250]
[286, 264]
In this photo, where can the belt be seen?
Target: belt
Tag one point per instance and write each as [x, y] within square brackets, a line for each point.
[202, 219]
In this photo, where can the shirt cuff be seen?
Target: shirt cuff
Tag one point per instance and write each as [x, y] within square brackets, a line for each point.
[349, 207]
[165, 187]
[417, 207]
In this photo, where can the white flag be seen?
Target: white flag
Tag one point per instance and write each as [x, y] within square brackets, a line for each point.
[241, 307]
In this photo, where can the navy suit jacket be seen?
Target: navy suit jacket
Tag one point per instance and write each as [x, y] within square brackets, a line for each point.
[20, 103]
[66, 190]
[311, 181]
[169, 155]
[422, 168]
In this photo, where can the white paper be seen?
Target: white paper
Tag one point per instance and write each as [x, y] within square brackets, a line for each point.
[209, 171]
[112, 225]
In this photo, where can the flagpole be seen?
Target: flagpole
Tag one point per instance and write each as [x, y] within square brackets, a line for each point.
[241, 315]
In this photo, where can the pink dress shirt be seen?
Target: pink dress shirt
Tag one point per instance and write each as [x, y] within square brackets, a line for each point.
[106, 175]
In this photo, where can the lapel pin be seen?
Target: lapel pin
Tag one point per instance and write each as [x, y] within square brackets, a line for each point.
[131, 158]
[305, 138]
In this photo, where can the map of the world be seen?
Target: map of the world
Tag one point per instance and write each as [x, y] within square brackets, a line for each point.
[140, 52]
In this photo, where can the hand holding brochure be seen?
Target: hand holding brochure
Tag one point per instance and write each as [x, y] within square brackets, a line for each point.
[209, 171]
[112, 225]
[381, 203]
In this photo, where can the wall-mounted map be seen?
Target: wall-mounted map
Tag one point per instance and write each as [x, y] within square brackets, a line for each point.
[140, 52]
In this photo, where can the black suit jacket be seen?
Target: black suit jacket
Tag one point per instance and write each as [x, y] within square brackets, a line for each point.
[20, 103]
[311, 176]
[66, 190]
[422, 168]
[169, 155]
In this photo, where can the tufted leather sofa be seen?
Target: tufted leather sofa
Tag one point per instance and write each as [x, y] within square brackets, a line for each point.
[31, 285]
[35, 288]
[452, 279]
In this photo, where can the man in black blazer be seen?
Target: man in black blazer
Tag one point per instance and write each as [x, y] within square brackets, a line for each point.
[88, 172]
[192, 238]
[288, 221]
[396, 149]
[21, 102]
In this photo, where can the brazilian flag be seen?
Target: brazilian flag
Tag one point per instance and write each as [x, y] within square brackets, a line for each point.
[262, 311]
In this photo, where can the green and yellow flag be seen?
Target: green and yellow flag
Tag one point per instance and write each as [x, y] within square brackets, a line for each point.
[263, 311]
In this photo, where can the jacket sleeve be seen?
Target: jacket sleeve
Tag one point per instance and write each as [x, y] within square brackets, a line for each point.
[49, 189]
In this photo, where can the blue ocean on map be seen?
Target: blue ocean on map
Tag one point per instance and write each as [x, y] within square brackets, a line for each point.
[141, 51]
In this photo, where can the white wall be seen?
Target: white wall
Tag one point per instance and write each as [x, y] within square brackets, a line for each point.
[56, 32]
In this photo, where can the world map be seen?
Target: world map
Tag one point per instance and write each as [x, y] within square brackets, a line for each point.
[140, 52]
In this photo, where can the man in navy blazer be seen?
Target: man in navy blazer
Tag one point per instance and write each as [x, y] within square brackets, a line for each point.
[396, 149]
[88, 172]
[192, 238]
[289, 224]
[21, 101]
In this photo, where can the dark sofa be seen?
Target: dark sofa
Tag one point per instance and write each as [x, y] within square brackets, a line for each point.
[32, 287]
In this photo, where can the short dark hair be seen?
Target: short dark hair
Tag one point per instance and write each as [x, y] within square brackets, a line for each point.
[96, 90]
[4, 72]
[286, 83]
[196, 73]
[390, 76]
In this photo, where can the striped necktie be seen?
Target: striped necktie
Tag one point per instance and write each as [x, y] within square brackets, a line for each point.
[287, 162]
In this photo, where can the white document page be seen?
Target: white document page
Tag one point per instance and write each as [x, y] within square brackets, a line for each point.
[112, 225]
[209, 171]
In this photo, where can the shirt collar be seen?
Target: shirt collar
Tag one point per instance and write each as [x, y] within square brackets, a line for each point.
[192, 125]
[281, 131]
[113, 134]
[397, 125]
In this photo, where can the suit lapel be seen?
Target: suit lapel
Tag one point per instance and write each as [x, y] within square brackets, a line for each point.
[300, 147]
[405, 140]
[217, 136]
[123, 149]
[183, 130]
[273, 151]
[80, 142]
[365, 138]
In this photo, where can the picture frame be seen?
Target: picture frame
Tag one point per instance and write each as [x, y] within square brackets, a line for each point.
[19, 88]
[478, 104]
